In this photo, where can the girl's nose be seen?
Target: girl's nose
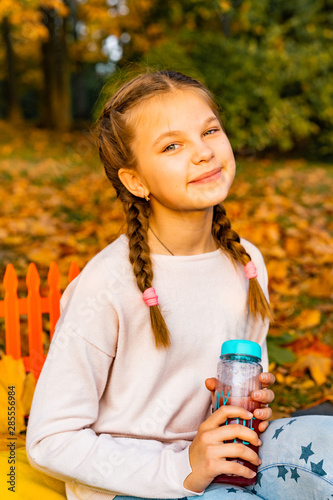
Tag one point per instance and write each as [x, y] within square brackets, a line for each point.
[202, 152]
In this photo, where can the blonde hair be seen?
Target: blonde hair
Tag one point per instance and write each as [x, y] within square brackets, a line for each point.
[116, 134]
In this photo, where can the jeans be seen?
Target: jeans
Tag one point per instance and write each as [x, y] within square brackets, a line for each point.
[297, 463]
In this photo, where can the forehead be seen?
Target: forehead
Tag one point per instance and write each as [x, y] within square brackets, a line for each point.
[175, 110]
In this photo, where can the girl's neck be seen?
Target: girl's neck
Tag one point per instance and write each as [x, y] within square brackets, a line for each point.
[182, 235]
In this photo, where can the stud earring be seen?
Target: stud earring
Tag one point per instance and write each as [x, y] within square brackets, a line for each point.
[147, 197]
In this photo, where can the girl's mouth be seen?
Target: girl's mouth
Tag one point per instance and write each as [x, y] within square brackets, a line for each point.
[211, 176]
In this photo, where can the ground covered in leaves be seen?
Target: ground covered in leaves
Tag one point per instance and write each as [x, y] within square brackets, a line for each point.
[56, 204]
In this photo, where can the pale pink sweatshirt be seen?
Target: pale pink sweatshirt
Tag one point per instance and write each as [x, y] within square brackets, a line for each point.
[112, 414]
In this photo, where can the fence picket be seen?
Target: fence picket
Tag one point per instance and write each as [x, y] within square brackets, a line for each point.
[74, 271]
[12, 314]
[35, 324]
[53, 279]
[34, 306]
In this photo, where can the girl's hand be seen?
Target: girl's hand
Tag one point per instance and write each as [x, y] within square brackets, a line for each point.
[208, 452]
[265, 396]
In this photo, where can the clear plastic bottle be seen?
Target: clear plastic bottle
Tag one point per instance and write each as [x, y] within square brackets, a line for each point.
[237, 376]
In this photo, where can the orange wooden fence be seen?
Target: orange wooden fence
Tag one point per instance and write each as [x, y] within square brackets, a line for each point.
[33, 305]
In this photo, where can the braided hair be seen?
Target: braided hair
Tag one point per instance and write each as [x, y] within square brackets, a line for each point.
[116, 134]
[228, 240]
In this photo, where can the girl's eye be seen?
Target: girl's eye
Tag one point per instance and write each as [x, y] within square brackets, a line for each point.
[171, 147]
[211, 130]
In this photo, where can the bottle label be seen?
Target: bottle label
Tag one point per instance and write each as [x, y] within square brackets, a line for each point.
[236, 401]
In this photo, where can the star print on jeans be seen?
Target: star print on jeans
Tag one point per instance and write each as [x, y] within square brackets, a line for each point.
[318, 468]
[306, 452]
[277, 432]
[292, 421]
[259, 476]
[231, 490]
[282, 472]
[294, 474]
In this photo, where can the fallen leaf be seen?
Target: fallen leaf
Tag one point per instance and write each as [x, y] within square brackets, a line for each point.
[322, 286]
[279, 378]
[308, 318]
[319, 367]
[277, 269]
[308, 384]
[293, 246]
[12, 374]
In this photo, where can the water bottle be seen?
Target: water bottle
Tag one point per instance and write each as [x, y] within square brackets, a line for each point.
[237, 376]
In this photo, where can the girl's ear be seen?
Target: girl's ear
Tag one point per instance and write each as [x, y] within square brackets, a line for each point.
[132, 182]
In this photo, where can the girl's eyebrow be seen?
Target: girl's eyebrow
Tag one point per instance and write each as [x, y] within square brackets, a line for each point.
[173, 133]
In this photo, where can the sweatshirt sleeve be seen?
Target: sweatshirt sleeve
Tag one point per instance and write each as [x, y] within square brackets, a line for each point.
[60, 438]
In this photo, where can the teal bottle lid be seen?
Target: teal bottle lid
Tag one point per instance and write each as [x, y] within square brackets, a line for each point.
[241, 347]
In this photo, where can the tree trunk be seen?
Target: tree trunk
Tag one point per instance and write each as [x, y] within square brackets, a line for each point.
[14, 110]
[57, 97]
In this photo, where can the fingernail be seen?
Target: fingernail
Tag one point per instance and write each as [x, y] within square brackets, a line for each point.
[253, 474]
[264, 377]
[259, 442]
[257, 395]
[260, 413]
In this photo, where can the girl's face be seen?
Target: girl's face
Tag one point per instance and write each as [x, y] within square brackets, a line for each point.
[184, 158]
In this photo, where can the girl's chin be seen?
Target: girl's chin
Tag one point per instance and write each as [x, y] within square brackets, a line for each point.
[213, 195]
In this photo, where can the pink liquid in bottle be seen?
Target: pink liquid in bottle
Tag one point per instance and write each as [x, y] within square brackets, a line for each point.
[238, 375]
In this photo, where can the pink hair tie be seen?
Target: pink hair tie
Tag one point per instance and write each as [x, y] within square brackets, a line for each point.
[150, 297]
[250, 270]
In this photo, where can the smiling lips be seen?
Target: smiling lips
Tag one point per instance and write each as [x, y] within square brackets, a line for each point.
[211, 176]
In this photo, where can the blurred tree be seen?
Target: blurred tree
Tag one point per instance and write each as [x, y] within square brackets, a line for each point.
[57, 100]
[268, 62]
[14, 109]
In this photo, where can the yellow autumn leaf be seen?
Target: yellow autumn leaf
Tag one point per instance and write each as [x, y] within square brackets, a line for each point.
[277, 269]
[43, 255]
[308, 384]
[12, 375]
[321, 286]
[279, 378]
[19, 441]
[308, 318]
[293, 246]
[319, 366]
[28, 392]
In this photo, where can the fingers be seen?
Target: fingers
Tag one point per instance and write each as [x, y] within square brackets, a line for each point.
[237, 469]
[264, 396]
[239, 451]
[211, 384]
[267, 379]
[220, 416]
[263, 413]
[263, 425]
[236, 431]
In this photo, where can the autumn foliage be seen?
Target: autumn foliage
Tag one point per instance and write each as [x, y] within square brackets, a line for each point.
[56, 204]
[267, 62]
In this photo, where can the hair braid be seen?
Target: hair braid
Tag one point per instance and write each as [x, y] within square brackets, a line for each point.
[137, 214]
[229, 240]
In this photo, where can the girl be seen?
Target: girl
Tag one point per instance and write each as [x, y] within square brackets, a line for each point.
[121, 407]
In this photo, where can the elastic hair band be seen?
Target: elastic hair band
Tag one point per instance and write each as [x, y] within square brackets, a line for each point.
[150, 297]
[250, 270]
